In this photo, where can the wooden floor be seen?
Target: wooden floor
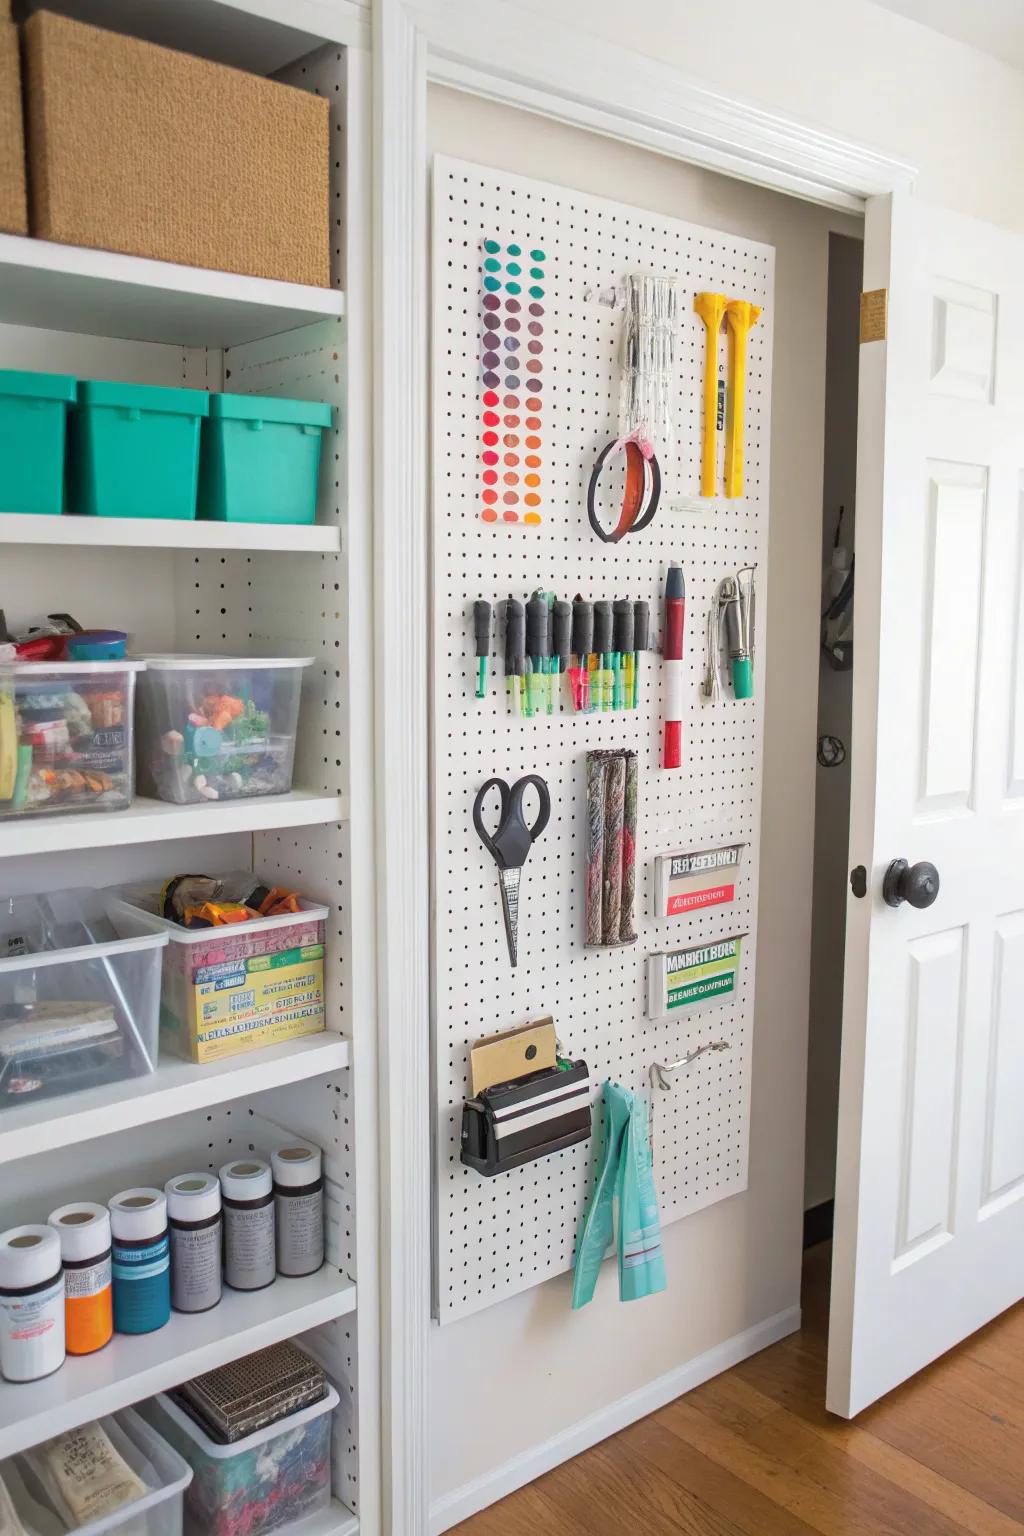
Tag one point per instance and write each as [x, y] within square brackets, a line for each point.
[754, 1451]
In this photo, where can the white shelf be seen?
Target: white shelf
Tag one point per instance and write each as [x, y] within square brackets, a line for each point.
[165, 533]
[336, 1520]
[101, 293]
[131, 1368]
[156, 821]
[175, 1088]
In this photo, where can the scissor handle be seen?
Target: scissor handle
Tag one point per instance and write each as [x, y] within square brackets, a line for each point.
[512, 839]
[544, 809]
[478, 820]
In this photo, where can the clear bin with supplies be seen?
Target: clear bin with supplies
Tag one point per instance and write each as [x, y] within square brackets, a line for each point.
[217, 727]
[266, 1482]
[157, 1512]
[79, 1005]
[236, 988]
[66, 739]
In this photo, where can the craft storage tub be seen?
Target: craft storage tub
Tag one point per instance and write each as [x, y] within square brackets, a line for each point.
[232, 989]
[218, 728]
[13, 199]
[66, 736]
[277, 1476]
[33, 415]
[79, 1005]
[134, 450]
[159, 1513]
[261, 459]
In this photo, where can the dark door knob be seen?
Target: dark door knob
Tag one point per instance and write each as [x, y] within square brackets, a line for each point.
[916, 883]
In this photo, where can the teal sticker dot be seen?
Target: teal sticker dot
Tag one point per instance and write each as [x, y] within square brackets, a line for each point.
[515, 250]
[492, 247]
[535, 293]
[513, 269]
[514, 287]
[492, 284]
[536, 271]
[537, 256]
[490, 265]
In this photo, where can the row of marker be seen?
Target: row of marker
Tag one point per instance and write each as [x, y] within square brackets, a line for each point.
[596, 646]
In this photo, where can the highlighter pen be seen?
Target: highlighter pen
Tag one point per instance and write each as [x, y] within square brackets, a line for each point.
[623, 642]
[603, 651]
[582, 645]
[515, 660]
[482, 637]
[672, 654]
[538, 648]
[641, 643]
[561, 631]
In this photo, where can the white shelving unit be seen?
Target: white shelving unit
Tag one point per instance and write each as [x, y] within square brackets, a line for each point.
[234, 589]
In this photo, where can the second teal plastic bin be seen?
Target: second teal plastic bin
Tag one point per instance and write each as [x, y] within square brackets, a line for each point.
[261, 459]
[135, 450]
[33, 412]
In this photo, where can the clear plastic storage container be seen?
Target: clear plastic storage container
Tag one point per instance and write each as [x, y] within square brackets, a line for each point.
[232, 989]
[218, 728]
[158, 1513]
[79, 1005]
[66, 736]
[267, 1481]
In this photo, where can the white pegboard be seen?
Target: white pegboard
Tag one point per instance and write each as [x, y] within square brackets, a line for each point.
[495, 1237]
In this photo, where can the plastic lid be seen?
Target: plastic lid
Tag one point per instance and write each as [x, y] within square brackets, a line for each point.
[247, 1179]
[28, 1256]
[297, 1165]
[138, 1213]
[83, 1228]
[158, 663]
[38, 386]
[145, 397]
[299, 413]
[192, 1196]
[26, 669]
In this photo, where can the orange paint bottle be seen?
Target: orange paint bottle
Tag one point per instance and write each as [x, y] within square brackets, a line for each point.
[84, 1231]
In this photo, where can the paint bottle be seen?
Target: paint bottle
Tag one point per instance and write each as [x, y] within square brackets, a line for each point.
[31, 1303]
[196, 1228]
[298, 1209]
[248, 1188]
[84, 1232]
[141, 1260]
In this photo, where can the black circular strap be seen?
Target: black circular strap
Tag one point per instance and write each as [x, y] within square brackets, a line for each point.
[649, 504]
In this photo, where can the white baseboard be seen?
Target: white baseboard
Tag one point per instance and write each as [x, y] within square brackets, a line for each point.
[471, 1497]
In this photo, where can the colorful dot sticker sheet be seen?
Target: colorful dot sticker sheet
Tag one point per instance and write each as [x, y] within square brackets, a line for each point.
[512, 292]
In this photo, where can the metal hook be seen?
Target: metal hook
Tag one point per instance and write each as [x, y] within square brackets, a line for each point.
[660, 1070]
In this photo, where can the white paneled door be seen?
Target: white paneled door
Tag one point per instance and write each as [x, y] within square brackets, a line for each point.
[929, 1228]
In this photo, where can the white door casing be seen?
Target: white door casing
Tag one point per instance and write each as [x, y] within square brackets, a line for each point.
[929, 1223]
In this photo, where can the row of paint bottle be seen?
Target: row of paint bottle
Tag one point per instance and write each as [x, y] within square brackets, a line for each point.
[93, 1270]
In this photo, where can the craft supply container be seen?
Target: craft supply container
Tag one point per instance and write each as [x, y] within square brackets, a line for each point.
[270, 1479]
[66, 736]
[78, 1016]
[33, 416]
[166, 1475]
[275, 962]
[218, 728]
[261, 459]
[134, 450]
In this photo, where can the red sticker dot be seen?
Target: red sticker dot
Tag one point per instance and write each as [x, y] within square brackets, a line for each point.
[490, 438]
[490, 497]
[490, 397]
[511, 402]
[511, 421]
[511, 517]
[491, 418]
[510, 477]
[511, 440]
[490, 477]
[490, 457]
[489, 515]
[511, 458]
[510, 498]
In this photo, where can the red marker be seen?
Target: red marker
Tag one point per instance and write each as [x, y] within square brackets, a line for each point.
[672, 654]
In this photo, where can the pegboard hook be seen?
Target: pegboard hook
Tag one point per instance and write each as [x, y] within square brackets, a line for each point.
[660, 1070]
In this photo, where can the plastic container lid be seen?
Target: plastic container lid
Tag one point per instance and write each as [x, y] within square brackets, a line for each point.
[29, 1255]
[83, 1229]
[158, 663]
[144, 397]
[249, 1178]
[138, 1213]
[37, 386]
[296, 1166]
[24, 669]
[192, 1196]
[298, 413]
[211, 1448]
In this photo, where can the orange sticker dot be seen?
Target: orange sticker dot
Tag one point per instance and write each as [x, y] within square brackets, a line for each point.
[532, 460]
[489, 497]
[532, 517]
[533, 405]
[532, 499]
[533, 425]
[532, 479]
[533, 442]
[489, 515]
[510, 477]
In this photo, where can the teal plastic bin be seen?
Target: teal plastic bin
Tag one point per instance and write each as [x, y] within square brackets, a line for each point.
[33, 414]
[135, 450]
[261, 459]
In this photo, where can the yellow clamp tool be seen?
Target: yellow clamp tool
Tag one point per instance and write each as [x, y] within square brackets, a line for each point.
[740, 318]
[710, 307]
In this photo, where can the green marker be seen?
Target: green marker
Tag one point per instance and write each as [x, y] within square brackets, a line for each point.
[603, 651]
[482, 637]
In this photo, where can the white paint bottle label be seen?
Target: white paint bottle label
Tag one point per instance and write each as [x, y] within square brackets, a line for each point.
[32, 1330]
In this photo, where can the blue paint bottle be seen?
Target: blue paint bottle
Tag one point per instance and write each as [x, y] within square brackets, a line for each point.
[141, 1260]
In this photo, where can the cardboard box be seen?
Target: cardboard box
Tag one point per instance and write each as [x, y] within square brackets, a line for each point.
[151, 152]
[13, 205]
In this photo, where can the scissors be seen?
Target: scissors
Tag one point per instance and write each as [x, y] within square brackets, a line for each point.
[511, 842]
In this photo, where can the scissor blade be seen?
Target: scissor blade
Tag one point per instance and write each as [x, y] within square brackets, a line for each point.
[510, 907]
